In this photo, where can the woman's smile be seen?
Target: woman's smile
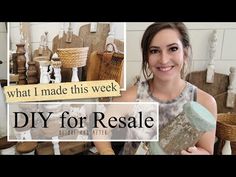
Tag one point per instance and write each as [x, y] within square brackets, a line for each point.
[164, 68]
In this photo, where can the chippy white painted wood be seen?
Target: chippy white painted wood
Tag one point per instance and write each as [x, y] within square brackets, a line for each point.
[212, 51]
[62, 30]
[230, 102]
[93, 27]
[55, 143]
[184, 131]
[232, 78]
[110, 39]
[69, 33]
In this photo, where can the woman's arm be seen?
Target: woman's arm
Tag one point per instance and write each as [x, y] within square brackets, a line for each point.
[105, 148]
[206, 143]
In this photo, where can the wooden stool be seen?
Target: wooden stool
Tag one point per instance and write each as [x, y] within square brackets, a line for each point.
[6, 147]
[66, 148]
[26, 148]
[44, 148]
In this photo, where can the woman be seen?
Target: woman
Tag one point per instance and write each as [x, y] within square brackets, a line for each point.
[166, 52]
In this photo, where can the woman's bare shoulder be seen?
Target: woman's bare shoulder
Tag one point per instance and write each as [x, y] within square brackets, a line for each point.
[127, 96]
[207, 100]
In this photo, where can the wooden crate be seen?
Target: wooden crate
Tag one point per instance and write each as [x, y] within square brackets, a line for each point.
[218, 89]
[220, 85]
[66, 148]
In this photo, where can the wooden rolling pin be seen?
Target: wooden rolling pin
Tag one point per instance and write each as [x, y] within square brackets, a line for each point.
[184, 131]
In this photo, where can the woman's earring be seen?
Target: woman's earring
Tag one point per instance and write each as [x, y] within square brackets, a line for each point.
[185, 69]
[150, 73]
[148, 70]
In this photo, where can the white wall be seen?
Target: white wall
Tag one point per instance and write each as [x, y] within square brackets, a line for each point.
[3, 50]
[199, 36]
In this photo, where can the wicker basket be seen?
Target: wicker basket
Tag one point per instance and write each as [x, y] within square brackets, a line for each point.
[226, 126]
[73, 57]
[111, 67]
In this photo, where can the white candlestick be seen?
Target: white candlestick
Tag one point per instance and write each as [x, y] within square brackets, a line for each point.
[57, 74]
[56, 145]
[44, 74]
[75, 77]
[226, 150]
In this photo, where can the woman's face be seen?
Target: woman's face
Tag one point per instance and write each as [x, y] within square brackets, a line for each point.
[166, 55]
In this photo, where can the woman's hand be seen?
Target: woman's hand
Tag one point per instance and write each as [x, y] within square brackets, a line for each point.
[107, 151]
[195, 151]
